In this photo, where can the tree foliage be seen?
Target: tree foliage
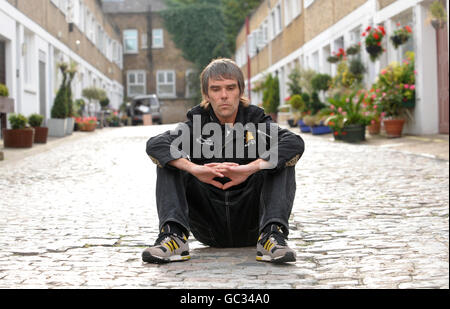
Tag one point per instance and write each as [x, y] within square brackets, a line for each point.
[197, 28]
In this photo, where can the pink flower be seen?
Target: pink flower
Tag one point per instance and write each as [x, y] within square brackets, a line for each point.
[384, 94]
[375, 106]
[374, 96]
[377, 91]
[347, 100]
[340, 109]
[383, 114]
[373, 121]
[406, 86]
[415, 72]
[344, 113]
[332, 107]
[412, 87]
[383, 72]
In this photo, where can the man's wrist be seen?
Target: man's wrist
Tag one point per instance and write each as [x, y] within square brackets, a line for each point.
[183, 164]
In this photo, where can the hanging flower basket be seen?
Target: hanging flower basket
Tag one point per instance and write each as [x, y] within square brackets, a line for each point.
[374, 38]
[354, 49]
[374, 52]
[401, 36]
[333, 59]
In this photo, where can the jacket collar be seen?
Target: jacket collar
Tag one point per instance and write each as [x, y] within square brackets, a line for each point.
[239, 116]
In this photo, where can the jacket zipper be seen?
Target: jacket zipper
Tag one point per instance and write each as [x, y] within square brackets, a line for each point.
[227, 210]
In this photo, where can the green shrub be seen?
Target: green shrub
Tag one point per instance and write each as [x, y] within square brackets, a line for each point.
[60, 107]
[17, 121]
[321, 82]
[3, 91]
[35, 120]
[297, 103]
[271, 94]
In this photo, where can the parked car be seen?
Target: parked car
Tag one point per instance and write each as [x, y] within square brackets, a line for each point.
[145, 104]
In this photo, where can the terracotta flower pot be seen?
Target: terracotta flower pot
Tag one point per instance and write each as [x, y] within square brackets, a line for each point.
[40, 135]
[374, 128]
[20, 138]
[394, 127]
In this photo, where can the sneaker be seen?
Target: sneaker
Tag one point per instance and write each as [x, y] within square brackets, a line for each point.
[272, 246]
[169, 247]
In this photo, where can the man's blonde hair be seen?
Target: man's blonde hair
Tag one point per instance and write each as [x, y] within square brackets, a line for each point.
[218, 69]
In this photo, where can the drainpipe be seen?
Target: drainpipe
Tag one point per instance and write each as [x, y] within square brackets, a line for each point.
[247, 27]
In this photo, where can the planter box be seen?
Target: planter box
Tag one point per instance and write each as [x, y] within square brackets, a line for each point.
[303, 127]
[40, 135]
[22, 138]
[354, 133]
[69, 126]
[88, 127]
[57, 127]
[292, 123]
[318, 130]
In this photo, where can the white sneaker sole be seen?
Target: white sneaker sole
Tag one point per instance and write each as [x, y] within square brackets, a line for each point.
[147, 257]
[288, 257]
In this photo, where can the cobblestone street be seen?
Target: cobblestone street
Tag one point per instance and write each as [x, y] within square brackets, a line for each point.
[80, 214]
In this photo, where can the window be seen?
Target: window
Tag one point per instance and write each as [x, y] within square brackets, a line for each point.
[276, 21]
[157, 38]
[292, 9]
[130, 41]
[165, 83]
[288, 12]
[136, 84]
[190, 83]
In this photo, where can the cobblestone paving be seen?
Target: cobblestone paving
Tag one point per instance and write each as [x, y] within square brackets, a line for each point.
[80, 215]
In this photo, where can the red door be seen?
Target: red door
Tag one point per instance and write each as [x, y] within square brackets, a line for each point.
[442, 51]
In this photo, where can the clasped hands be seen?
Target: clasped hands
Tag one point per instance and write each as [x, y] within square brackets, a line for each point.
[235, 172]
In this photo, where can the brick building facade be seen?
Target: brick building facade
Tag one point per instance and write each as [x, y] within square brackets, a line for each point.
[152, 63]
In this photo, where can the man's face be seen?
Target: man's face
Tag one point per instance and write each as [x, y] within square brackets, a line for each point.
[223, 95]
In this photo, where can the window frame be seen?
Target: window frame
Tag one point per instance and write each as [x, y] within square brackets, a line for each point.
[136, 83]
[158, 83]
[128, 37]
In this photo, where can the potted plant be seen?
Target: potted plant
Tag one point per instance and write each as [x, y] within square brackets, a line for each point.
[438, 15]
[40, 133]
[19, 136]
[319, 127]
[70, 72]
[374, 37]
[354, 49]
[271, 96]
[395, 93]
[298, 105]
[373, 110]
[86, 124]
[401, 36]
[348, 118]
[57, 124]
